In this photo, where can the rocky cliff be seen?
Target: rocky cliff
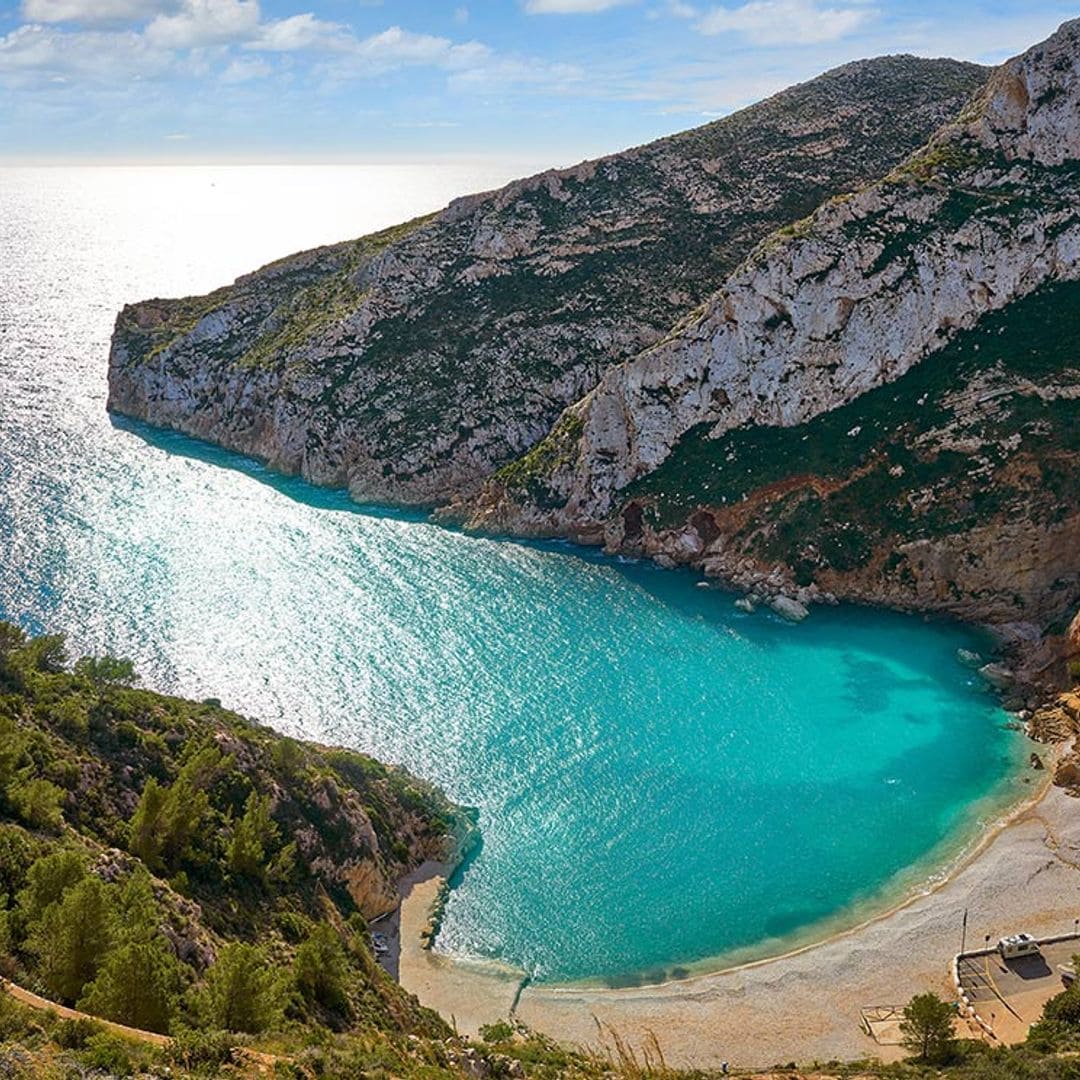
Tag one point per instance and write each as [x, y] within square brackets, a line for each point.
[408, 365]
[880, 403]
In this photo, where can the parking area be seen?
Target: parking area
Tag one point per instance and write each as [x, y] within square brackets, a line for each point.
[1010, 994]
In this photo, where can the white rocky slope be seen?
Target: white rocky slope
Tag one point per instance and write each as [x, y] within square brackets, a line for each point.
[843, 302]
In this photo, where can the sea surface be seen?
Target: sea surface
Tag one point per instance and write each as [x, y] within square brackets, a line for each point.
[661, 779]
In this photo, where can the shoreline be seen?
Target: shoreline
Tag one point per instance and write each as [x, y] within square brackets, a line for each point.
[908, 885]
[782, 1007]
[847, 920]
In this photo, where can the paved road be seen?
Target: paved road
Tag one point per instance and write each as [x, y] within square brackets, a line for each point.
[1011, 993]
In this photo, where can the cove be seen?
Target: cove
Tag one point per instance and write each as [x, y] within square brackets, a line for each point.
[661, 780]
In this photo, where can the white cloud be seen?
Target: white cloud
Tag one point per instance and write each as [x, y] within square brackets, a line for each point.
[461, 15]
[786, 22]
[92, 11]
[570, 7]
[401, 48]
[35, 54]
[244, 70]
[500, 72]
[300, 32]
[205, 22]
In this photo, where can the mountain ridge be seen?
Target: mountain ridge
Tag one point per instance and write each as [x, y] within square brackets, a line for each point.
[825, 312]
[407, 366]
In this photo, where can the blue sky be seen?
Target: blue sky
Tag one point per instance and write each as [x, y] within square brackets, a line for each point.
[536, 80]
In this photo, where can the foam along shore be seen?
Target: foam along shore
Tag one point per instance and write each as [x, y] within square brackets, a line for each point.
[803, 1006]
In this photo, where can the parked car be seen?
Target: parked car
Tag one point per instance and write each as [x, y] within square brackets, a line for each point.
[1017, 945]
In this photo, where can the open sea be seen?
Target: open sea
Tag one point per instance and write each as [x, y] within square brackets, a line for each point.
[662, 781]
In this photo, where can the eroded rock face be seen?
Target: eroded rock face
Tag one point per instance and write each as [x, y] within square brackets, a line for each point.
[880, 403]
[409, 365]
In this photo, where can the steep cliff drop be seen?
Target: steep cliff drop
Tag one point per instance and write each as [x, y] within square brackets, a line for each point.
[408, 365]
[879, 405]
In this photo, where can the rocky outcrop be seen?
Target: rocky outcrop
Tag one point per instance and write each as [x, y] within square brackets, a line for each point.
[880, 404]
[408, 365]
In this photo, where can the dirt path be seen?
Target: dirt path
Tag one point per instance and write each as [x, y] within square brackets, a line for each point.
[33, 1001]
[260, 1063]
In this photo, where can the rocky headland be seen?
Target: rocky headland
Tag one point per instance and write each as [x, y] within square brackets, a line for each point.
[660, 353]
[409, 365]
[880, 403]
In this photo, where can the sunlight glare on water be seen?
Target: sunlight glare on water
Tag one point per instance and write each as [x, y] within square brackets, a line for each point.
[660, 779]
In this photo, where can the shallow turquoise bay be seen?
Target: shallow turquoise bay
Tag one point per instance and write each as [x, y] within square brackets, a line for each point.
[661, 780]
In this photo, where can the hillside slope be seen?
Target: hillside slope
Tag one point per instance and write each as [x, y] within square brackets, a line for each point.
[880, 403]
[214, 829]
[408, 365]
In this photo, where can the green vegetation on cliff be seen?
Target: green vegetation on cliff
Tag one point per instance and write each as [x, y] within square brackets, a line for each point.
[411, 365]
[983, 429]
[170, 866]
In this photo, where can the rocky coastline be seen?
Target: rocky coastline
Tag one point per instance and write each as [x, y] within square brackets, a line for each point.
[877, 405]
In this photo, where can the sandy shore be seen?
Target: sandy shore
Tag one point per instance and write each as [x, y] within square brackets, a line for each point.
[466, 994]
[801, 1007]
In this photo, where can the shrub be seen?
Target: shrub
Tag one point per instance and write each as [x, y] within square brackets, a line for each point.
[14, 1019]
[201, 1049]
[497, 1033]
[38, 803]
[75, 1034]
[109, 1053]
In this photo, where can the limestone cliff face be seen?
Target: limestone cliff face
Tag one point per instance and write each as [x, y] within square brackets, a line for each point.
[880, 403]
[407, 366]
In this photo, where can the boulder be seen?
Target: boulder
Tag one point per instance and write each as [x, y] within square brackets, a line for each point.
[1067, 773]
[789, 609]
[998, 675]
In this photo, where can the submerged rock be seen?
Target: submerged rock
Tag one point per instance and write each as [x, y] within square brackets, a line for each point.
[998, 675]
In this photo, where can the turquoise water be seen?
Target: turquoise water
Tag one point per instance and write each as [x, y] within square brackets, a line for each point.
[660, 779]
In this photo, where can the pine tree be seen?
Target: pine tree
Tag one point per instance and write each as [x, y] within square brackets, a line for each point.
[927, 1027]
[138, 985]
[147, 827]
[47, 881]
[319, 969]
[242, 991]
[252, 835]
[139, 981]
[73, 937]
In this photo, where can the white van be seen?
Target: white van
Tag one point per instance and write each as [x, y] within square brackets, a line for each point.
[1018, 945]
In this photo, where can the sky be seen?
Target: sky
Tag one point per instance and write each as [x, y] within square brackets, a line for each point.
[357, 80]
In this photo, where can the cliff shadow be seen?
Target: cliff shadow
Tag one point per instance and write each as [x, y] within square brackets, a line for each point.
[293, 487]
